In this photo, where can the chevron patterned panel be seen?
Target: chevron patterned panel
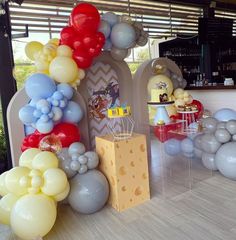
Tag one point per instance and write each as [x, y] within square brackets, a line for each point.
[99, 77]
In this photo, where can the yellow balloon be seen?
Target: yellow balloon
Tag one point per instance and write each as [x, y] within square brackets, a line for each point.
[41, 66]
[64, 194]
[55, 41]
[6, 205]
[63, 69]
[81, 73]
[33, 216]
[153, 81]
[3, 188]
[171, 109]
[178, 92]
[55, 182]
[64, 51]
[27, 157]
[13, 178]
[45, 160]
[32, 48]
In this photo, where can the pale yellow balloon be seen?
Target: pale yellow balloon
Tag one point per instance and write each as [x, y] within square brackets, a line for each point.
[81, 74]
[64, 51]
[27, 157]
[55, 182]
[6, 205]
[178, 91]
[31, 48]
[171, 109]
[33, 216]
[3, 188]
[55, 41]
[64, 194]
[63, 69]
[180, 96]
[12, 180]
[45, 160]
[41, 65]
[179, 102]
[153, 81]
[186, 94]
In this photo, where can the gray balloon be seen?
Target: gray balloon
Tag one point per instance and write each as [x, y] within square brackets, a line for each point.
[197, 141]
[83, 159]
[221, 125]
[210, 124]
[197, 152]
[184, 83]
[76, 148]
[119, 54]
[226, 160]
[175, 83]
[209, 143]
[64, 163]
[208, 161]
[231, 126]
[83, 169]
[142, 41]
[234, 137]
[93, 159]
[222, 135]
[88, 192]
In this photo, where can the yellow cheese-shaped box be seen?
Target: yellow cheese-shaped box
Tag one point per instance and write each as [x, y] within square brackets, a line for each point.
[125, 165]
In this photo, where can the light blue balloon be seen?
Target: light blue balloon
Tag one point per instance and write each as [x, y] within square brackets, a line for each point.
[111, 18]
[44, 127]
[34, 101]
[37, 113]
[39, 85]
[29, 130]
[225, 114]
[57, 113]
[66, 90]
[187, 146]
[104, 28]
[72, 113]
[42, 103]
[172, 147]
[123, 35]
[107, 45]
[26, 114]
[58, 95]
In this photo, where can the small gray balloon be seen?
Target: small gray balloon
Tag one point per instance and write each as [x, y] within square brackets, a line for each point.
[208, 161]
[222, 135]
[234, 137]
[64, 163]
[88, 192]
[93, 159]
[197, 152]
[226, 160]
[76, 148]
[231, 126]
[221, 125]
[209, 143]
[119, 54]
[83, 169]
[175, 83]
[142, 41]
[197, 141]
[210, 124]
[83, 159]
[75, 165]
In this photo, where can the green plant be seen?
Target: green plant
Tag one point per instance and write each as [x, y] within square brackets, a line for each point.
[3, 148]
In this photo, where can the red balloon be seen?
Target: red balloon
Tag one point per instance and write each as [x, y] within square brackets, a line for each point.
[82, 58]
[85, 18]
[67, 133]
[90, 41]
[100, 38]
[67, 36]
[200, 108]
[78, 43]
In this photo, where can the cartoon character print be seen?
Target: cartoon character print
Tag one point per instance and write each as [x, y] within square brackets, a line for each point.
[97, 107]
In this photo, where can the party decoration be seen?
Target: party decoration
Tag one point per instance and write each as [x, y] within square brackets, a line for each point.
[226, 160]
[172, 147]
[222, 135]
[231, 126]
[182, 97]
[89, 192]
[49, 105]
[64, 134]
[50, 143]
[209, 162]
[210, 143]
[210, 124]
[3, 189]
[225, 114]
[32, 48]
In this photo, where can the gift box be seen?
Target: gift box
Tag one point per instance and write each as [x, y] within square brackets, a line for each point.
[125, 165]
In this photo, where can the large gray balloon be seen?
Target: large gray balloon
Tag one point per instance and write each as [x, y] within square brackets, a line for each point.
[65, 162]
[221, 125]
[226, 160]
[231, 126]
[209, 143]
[197, 152]
[222, 135]
[175, 83]
[93, 159]
[210, 124]
[208, 161]
[88, 192]
[119, 54]
[197, 141]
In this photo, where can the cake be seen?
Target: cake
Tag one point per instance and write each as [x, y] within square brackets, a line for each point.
[187, 108]
[160, 93]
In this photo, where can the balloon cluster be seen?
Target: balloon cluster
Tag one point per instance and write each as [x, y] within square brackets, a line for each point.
[217, 146]
[121, 34]
[55, 60]
[182, 97]
[30, 193]
[89, 187]
[82, 34]
[49, 104]
[75, 159]
[65, 133]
